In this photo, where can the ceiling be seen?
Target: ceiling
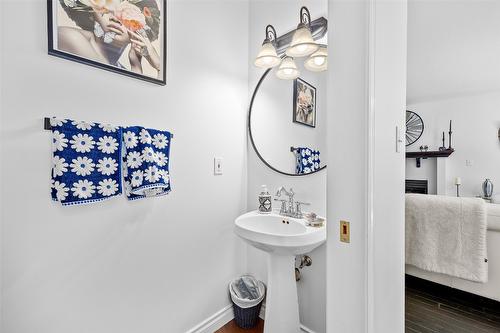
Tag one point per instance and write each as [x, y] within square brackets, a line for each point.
[453, 49]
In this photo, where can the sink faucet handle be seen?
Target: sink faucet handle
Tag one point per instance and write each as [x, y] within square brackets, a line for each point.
[283, 205]
[298, 211]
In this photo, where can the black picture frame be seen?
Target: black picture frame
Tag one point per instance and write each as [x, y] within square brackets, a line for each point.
[296, 83]
[68, 56]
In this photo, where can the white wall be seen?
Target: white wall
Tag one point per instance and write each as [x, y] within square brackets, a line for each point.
[476, 121]
[365, 278]
[452, 48]
[386, 241]
[1, 164]
[156, 265]
[454, 73]
[311, 289]
[346, 291]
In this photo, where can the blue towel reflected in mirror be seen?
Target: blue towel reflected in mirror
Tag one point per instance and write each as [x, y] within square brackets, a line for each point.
[307, 160]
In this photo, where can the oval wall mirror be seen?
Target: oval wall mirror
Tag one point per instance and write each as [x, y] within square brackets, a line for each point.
[287, 121]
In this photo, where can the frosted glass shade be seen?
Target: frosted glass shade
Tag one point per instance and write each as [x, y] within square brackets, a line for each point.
[302, 43]
[288, 69]
[267, 56]
[318, 61]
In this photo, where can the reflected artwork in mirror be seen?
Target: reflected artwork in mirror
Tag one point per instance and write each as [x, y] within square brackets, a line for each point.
[304, 103]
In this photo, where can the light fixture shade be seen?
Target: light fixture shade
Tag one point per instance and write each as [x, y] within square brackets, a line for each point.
[288, 69]
[318, 61]
[267, 56]
[302, 43]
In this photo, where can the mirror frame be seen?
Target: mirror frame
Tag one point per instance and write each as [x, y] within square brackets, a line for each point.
[256, 90]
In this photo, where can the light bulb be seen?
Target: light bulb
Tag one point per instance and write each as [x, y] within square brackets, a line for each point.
[267, 56]
[302, 43]
[267, 60]
[288, 69]
[301, 48]
[318, 61]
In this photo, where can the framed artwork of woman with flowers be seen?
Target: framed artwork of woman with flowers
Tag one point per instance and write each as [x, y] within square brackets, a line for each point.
[122, 36]
[304, 103]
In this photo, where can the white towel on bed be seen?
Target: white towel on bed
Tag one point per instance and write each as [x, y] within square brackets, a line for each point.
[447, 235]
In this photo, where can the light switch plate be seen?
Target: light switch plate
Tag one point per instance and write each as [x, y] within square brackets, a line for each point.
[218, 166]
[345, 232]
[399, 139]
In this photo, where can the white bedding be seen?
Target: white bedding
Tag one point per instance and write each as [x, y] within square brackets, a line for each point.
[447, 235]
[493, 211]
[490, 289]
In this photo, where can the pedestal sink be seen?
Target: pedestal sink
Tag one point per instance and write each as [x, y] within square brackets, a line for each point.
[282, 238]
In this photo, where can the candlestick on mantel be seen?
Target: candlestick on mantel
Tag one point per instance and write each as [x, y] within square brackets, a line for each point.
[443, 147]
[449, 140]
[458, 182]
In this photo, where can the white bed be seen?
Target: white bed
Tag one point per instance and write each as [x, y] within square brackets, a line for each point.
[491, 289]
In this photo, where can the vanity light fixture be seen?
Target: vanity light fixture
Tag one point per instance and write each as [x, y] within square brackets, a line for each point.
[268, 57]
[297, 43]
[288, 69]
[318, 61]
[303, 43]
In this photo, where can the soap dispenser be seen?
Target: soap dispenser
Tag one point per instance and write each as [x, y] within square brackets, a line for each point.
[265, 201]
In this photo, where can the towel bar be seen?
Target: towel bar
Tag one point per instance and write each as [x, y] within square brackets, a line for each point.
[46, 124]
[48, 127]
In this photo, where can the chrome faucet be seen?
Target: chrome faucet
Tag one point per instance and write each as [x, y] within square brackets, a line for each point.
[289, 207]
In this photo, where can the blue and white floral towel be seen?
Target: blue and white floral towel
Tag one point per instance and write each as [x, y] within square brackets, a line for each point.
[307, 160]
[85, 162]
[146, 162]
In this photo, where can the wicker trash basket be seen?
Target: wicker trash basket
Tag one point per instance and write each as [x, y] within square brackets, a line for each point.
[246, 312]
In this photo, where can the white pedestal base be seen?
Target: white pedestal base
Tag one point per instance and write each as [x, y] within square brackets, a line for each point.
[282, 304]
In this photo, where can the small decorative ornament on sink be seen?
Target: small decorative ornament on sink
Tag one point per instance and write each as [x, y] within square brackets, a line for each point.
[265, 202]
[313, 220]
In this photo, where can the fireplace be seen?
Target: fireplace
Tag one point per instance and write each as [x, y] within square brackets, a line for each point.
[417, 186]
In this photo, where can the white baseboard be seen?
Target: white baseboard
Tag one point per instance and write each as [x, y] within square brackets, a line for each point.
[214, 322]
[305, 329]
[224, 316]
[302, 327]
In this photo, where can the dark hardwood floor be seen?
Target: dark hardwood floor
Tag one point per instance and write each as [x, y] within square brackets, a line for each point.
[231, 327]
[432, 308]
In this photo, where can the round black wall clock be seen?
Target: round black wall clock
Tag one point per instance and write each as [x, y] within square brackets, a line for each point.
[414, 127]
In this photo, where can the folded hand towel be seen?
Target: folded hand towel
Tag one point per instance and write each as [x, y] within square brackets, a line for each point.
[307, 160]
[85, 162]
[146, 162]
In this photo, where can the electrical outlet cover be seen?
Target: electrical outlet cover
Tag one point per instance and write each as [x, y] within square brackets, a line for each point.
[345, 232]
